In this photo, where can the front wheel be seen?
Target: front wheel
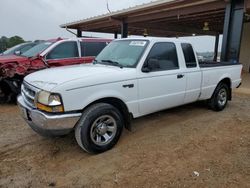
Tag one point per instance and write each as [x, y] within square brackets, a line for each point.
[220, 97]
[99, 128]
[5, 93]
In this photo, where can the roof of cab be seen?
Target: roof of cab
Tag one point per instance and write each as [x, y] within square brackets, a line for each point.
[156, 39]
[95, 39]
[81, 38]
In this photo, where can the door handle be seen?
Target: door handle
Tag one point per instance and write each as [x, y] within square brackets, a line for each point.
[128, 86]
[179, 76]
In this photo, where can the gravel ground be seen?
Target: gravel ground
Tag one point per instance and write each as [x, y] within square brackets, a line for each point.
[188, 146]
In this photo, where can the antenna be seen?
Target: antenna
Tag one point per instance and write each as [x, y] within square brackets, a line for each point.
[108, 6]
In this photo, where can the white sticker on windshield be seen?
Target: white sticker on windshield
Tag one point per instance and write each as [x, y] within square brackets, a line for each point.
[48, 43]
[138, 43]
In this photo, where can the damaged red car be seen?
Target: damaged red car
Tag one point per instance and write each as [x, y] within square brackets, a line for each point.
[50, 53]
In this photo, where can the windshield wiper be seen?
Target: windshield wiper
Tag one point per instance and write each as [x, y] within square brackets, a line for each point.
[115, 63]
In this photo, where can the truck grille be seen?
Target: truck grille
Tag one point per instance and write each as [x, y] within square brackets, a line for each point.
[29, 93]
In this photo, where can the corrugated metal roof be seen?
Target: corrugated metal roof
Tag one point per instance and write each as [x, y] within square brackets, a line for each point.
[160, 18]
[120, 12]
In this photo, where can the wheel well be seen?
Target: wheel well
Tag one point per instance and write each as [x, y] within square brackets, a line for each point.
[120, 105]
[227, 81]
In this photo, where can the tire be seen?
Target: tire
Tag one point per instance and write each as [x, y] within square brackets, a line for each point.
[4, 93]
[3, 97]
[220, 97]
[99, 128]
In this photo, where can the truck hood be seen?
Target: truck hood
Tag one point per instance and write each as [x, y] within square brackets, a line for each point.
[84, 74]
[12, 58]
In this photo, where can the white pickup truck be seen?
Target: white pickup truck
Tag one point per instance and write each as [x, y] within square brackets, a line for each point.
[130, 78]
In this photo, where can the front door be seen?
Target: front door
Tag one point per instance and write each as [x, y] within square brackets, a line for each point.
[65, 53]
[164, 85]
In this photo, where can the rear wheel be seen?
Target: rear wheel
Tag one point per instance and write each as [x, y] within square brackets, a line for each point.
[99, 128]
[220, 97]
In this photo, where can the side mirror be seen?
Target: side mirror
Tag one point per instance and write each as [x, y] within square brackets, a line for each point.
[43, 60]
[18, 52]
[150, 65]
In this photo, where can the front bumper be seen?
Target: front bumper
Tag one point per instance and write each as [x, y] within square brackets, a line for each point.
[45, 124]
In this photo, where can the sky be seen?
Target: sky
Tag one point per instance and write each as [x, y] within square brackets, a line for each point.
[40, 19]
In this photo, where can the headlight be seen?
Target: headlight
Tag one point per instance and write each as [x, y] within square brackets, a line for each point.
[49, 102]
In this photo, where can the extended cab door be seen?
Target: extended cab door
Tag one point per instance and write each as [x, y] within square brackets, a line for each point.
[193, 74]
[65, 53]
[164, 85]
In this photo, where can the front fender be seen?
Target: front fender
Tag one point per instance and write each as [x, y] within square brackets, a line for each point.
[78, 99]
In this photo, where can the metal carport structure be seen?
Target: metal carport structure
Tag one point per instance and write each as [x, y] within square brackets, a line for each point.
[173, 18]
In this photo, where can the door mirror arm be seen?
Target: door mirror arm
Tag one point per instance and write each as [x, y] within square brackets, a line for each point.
[150, 64]
[18, 52]
[43, 60]
[145, 69]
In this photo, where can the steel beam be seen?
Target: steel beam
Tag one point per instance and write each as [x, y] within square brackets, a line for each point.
[174, 28]
[116, 35]
[124, 29]
[233, 27]
[79, 33]
[247, 5]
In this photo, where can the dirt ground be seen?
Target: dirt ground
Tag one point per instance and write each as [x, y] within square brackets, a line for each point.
[163, 150]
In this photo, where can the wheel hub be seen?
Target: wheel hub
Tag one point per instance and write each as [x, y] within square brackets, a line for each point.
[101, 129]
[222, 97]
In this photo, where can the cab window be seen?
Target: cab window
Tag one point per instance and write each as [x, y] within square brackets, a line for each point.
[189, 55]
[26, 48]
[64, 50]
[92, 48]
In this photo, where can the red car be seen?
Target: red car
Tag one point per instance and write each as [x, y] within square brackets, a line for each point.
[51, 53]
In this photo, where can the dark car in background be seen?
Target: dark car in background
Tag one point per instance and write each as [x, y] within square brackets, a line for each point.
[20, 48]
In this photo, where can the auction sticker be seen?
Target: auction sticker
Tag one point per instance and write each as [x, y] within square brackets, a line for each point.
[138, 43]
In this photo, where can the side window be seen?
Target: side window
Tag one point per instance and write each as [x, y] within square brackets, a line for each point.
[64, 50]
[189, 55]
[163, 56]
[92, 48]
[25, 48]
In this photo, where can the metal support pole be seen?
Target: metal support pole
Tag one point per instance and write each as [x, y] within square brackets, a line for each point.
[233, 27]
[116, 35]
[216, 46]
[124, 29]
[226, 32]
[79, 33]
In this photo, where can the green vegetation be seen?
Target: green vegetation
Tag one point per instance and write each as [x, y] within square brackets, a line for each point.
[6, 43]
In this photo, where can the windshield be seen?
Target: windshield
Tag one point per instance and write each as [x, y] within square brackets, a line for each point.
[123, 53]
[13, 49]
[37, 49]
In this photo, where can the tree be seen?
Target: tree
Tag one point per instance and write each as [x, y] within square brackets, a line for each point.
[6, 43]
[13, 41]
[3, 43]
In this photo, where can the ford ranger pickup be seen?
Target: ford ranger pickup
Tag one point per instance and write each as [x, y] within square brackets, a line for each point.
[130, 78]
